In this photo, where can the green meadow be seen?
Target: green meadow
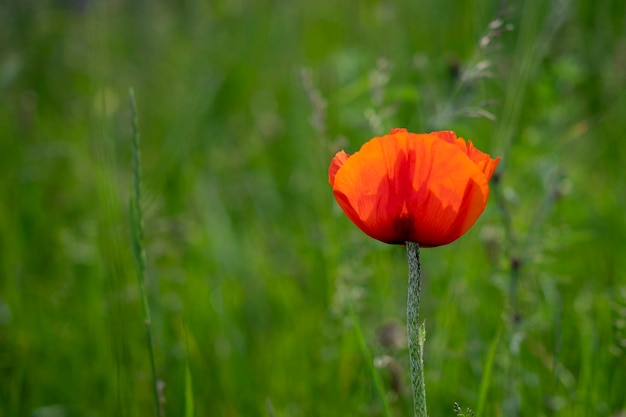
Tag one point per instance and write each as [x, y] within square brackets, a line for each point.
[257, 295]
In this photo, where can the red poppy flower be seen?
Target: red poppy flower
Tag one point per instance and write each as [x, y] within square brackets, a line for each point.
[424, 188]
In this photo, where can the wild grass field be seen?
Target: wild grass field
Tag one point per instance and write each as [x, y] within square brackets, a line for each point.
[264, 299]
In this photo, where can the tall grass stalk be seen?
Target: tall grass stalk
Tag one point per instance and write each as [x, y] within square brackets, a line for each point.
[136, 217]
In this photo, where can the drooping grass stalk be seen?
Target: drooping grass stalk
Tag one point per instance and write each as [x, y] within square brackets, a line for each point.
[136, 217]
[416, 333]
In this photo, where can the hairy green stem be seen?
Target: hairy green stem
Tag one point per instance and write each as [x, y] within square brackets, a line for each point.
[416, 333]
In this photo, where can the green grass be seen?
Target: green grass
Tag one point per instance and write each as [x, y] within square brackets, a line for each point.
[251, 268]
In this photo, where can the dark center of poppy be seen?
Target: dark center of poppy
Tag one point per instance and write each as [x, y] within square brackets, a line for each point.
[403, 227]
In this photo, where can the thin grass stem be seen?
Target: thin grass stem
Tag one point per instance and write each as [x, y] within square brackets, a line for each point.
[487, 375]
[136, 217]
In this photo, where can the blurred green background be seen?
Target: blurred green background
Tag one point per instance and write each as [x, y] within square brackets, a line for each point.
[252, 269]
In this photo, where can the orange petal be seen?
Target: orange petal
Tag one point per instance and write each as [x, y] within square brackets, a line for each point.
[357, 189]
[450, 137]
[485, 163]
[451, 193]
[398, 130]
[335, 164]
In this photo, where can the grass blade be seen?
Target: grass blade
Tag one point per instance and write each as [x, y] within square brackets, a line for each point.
[487, 373]
[136, 218]
[189, 404]
[370, 363]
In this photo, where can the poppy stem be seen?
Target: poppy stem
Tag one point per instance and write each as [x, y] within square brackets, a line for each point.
[416, 333]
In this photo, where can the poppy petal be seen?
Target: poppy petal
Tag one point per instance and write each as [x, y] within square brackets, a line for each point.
[339, 159]
[451, 193]
[483, 160]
